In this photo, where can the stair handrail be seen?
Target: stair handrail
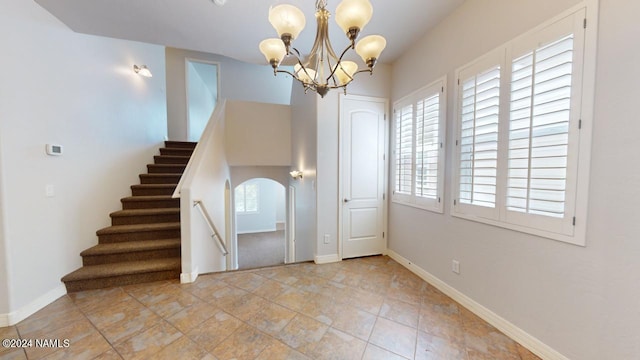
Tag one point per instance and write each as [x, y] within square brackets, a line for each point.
[214, 231]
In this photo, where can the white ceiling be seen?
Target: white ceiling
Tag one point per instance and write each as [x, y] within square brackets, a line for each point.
[235, 29]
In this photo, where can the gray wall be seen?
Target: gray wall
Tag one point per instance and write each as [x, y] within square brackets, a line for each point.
[581, 301]
[78, 91]
[304, 158]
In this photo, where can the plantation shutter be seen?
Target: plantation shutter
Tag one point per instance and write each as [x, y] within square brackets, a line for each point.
[404, 150]
[427, 147]
[478, 162]
[539, 129]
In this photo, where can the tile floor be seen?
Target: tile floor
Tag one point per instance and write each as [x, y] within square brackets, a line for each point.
[369, 308]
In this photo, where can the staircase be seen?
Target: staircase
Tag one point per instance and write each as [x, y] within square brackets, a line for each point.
[143, 242]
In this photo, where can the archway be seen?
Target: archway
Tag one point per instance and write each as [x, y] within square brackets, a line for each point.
[260, 219]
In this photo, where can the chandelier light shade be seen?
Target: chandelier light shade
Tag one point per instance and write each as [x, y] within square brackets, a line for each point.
[370, 48]
[345, 71]
[322, 69]
[287, 20]
[274, 50]
[353, 14]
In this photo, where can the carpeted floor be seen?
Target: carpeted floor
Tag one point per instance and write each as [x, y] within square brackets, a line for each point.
[261, 249]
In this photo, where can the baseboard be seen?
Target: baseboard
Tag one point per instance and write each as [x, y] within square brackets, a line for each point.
[280, 225]
[534, 345]
[187, 278]
[15, 317]
[326, 259]
[257, 231]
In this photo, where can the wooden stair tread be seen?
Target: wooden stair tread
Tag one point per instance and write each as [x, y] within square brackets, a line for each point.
[120, 229]
[131, 246]
[149, 212]
[180, 144]
[148, 198]
[162, 174]
[123, 268]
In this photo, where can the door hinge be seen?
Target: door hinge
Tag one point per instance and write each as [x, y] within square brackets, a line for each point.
[456, 142]
[455, 202]
[574, 221]
[385, 117]
[384, 156]
[584, 23]
[383, 234]
[458, 81]
[441, 145]
[579, 124]
[438, 199]
[443, 89]
[384, 196]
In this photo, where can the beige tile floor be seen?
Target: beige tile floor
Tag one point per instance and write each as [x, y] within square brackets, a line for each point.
[369, 308]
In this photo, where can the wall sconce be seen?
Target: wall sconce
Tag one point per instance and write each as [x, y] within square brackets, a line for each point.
[296, 174]
[142, 70]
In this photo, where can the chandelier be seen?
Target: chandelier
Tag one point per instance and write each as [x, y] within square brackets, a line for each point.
[322, 69]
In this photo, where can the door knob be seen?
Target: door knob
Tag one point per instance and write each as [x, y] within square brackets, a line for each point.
[346, 200]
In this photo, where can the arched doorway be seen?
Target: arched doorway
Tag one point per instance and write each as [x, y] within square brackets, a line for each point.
[260, 218]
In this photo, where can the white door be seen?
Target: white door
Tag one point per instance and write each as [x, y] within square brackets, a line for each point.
[363, 175]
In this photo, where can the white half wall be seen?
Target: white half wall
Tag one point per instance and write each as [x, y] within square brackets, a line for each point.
[580, 301]
[238, 81]
[78, 91]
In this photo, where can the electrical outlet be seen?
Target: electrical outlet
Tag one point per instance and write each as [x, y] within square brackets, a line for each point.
[327, 237]
[455, 266]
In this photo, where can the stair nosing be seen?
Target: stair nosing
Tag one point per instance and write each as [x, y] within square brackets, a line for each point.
[124, 229]
[145, 212]
[112, 269]
[131, 247]
[148, 198]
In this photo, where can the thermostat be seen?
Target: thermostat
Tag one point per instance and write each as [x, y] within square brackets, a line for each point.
[55, 150]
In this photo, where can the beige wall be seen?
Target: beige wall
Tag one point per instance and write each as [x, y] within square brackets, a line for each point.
[581, 301]
[258, 134]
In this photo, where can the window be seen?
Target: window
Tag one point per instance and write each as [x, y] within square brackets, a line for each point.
[418, 147]
[247, 198]
[519, 112]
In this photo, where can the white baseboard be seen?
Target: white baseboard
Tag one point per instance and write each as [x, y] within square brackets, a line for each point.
[187, 278]
[534, 345]
[257, 231]
[15, 317]
[326, 259]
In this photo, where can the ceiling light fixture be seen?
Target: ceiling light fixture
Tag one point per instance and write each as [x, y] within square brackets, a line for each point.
[323, 70]
[142, 70]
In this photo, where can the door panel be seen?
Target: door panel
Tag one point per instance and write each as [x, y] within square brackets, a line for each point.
[363, 169]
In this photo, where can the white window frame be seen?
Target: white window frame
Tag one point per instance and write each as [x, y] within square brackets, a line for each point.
[573, 230]
[244, 200]
[439, 88]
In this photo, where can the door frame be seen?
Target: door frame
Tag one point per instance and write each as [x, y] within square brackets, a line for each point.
[385, 200]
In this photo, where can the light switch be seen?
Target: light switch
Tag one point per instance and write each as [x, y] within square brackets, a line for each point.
[49, 190]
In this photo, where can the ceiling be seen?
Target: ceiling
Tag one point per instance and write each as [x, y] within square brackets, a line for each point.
[236, 28]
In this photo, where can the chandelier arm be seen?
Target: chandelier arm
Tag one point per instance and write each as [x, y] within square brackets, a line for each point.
[369, 70]
[286, 72]
[344, 52]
